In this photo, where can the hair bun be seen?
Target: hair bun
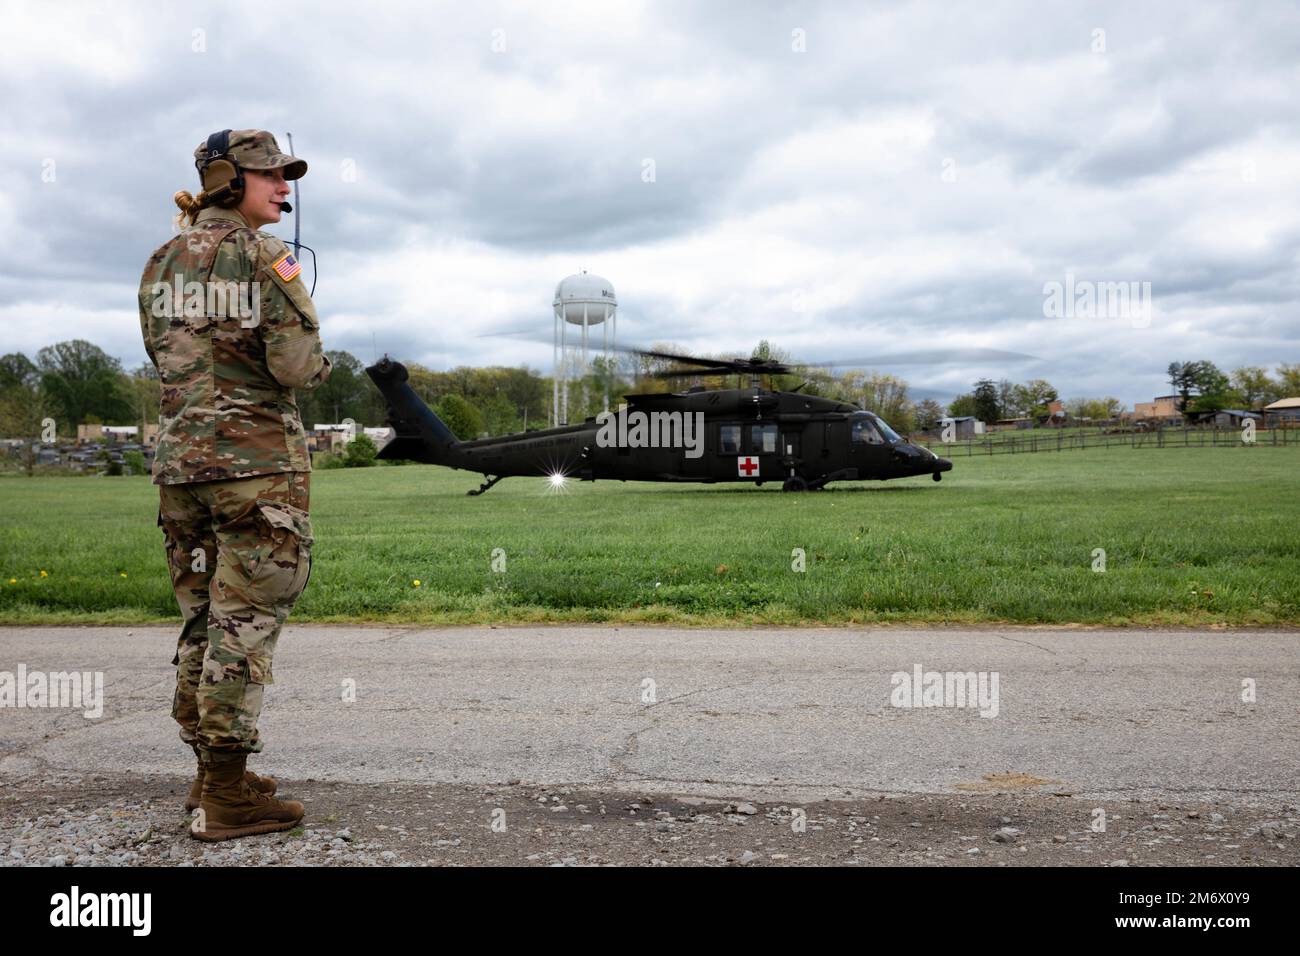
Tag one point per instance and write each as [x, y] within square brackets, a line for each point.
[188, 205]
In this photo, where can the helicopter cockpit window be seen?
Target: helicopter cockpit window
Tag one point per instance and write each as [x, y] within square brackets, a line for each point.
[762, 439]
[891, 436]
[864, 432]
[729, 439]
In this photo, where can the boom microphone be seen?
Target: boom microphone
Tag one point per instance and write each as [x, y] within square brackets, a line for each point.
[286, 206]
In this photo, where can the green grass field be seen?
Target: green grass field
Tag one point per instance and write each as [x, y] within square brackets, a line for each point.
[1192, 536]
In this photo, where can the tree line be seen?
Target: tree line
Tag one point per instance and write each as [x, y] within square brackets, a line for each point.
[76, 382]
[1202, 387]
[1199, 385]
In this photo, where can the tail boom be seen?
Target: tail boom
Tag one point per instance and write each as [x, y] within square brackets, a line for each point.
[420, 434]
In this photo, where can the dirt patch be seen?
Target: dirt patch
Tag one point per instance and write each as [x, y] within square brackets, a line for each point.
[139, 821]
[993, 782]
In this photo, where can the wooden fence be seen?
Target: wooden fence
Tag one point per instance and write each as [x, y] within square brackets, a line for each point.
[1159, 438]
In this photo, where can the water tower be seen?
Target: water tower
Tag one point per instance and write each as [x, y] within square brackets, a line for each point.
[583, 301]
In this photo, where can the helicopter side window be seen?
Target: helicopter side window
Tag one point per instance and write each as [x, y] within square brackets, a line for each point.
[762, 439]
[864, 432]
[728, 439]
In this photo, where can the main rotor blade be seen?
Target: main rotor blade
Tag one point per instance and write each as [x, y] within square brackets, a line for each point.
[926, 357]
[528, 335]
[720, 370]
[724, 366]
[684, 359]
[710, 366]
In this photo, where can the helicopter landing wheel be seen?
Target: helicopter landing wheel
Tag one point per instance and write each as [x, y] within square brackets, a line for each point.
[938, 477]
[794, 483]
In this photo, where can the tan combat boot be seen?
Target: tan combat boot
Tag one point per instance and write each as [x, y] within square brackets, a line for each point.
[230, 808]
[266, 785]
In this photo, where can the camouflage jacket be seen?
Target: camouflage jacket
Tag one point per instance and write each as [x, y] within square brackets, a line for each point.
[232, 331]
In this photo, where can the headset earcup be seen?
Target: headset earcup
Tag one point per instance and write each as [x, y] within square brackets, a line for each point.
[223, 183]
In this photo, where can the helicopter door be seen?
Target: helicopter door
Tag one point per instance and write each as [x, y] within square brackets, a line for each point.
[764, 444]
[723, 447]
[791, 454]
[868, 450]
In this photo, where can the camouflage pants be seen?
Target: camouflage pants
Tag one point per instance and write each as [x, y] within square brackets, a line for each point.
[240, 555]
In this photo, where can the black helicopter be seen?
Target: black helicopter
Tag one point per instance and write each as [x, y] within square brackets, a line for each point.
[699, 435]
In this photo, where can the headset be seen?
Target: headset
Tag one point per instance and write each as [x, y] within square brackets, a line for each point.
[223, 181]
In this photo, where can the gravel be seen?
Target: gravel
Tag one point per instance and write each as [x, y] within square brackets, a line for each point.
[134, 820]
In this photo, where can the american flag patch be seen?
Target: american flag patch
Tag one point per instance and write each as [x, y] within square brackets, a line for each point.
[287, 267]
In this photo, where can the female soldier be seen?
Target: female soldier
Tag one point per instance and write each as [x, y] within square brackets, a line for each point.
[233, 332]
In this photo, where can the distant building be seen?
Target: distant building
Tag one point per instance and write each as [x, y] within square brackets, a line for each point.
[1232, 418]
[117, 433]
[967, 426]
[334, 438]
[1055, 417]
[1163, 409]
[1012, 424]
[1283, 411]
[89, 433]
[327, 438]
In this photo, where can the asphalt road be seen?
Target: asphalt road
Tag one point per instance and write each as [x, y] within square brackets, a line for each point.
[1096, 712]
[771, 716]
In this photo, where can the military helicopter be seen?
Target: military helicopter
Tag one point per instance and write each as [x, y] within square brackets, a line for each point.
[701, 435]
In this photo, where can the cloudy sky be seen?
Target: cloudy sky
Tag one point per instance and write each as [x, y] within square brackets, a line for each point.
[845, 183]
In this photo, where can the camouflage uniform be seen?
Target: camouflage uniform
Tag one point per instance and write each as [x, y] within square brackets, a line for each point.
[255, 536]
[232, 463]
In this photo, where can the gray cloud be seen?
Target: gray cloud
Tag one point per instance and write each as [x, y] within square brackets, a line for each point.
[484, 173]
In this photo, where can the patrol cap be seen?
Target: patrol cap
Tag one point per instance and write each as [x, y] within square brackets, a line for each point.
[257, 149]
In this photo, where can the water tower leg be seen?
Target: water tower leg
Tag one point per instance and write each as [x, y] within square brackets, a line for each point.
[582, 372]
